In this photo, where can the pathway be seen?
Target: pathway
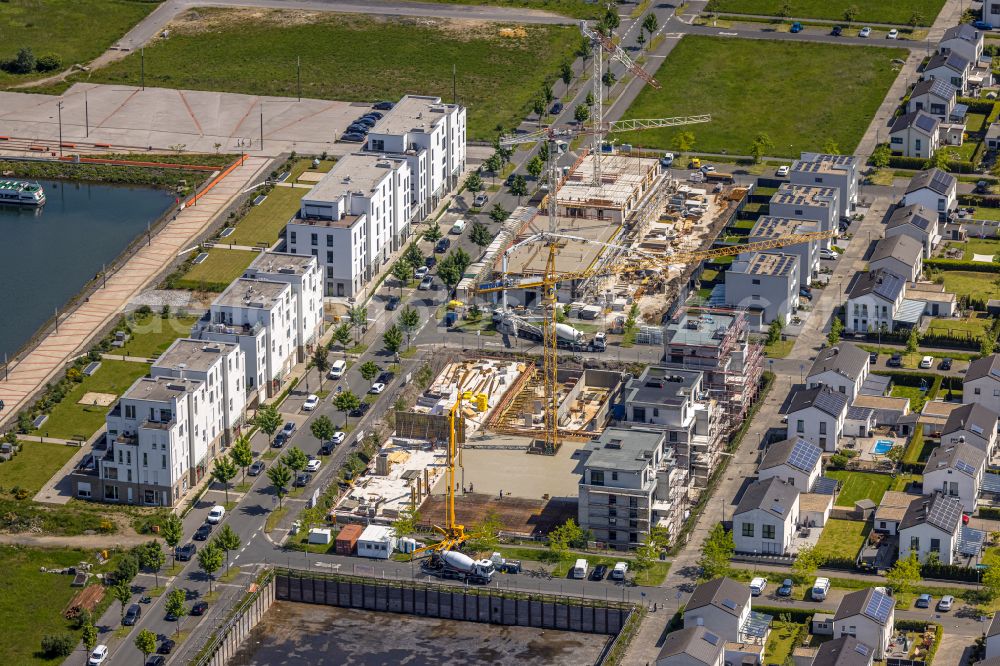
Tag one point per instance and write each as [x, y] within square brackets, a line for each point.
[76, 330]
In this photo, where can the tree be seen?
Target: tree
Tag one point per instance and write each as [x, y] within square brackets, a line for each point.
[89, 636]
[836, 328]
[991, 583]
[474, 182]
[321, 362]
[650, 24]
[322, 428]
[128, 568]
[228, 540]
[145, 642]
[585, 50]
[851, 14]
[402, 271]
[538, 106]
[806, 563]
[830, 147]
[176, 607]
[346, 402]
[498, 213]
[939, 160]
[268, 419]
[392, 339]
[684, 141]
[122, 592]
[590, 99]
[785, 10]
[151, 557]
[881, 156]
[224, 471]
[449, 271]
[566, 73]
[24, 62]
[561, 537]
[486, 534]
[493, 164]
[413, 256]
[342, 336]
[912, 341]
[57, 645]
[547, 93]
[241, 454]
[358, 317]
[210, 560]
[640, 39]
[407, 522]
[582, 113]
[409, 320]
[433, 234]
[774, 332]
[535, 167]
[280, 477]
[369, 370]
[716, 552]
[480, 235]
[904, 574]
[609, 79]
[916, 18]
[986, 345]
[761, 144]
[172, 532]
[519, 188]
[295, 459]
[611, 20]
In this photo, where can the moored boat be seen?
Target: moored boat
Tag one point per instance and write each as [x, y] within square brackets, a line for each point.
[21, 192]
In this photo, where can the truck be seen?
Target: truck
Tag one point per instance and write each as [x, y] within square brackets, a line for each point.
[453, 565]
[719, 177]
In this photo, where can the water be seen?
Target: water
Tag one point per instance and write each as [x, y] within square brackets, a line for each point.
[47, 255]
[882, 446]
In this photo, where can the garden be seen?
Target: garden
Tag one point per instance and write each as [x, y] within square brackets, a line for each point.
[216, 271]
[860, 485]
[265, 222]
[151, 333]
[32, 466]
[842, 538]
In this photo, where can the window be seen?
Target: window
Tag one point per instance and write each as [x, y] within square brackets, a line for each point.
[130, 411]
[916, 144]
[612, 500]
[748, 529]
[914, 543]
[936, 545]
[329, 241]
[977, 391]
[614, 476]
[291, 237]
[314, 239]
[111, 492]
[800, 425]
[612, 535]
[329, 257]
[822, 427]
[596, 478]
[897, 140]
[145, 459]
[755, 281]
[163, 461]
[673, 436]
[767, 531]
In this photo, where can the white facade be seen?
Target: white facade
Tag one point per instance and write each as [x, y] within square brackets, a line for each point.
[965, 40]
[873, 301]
[915, 135]
[844, 368]
[788, 471]
[806, 202]
[766, 518]
[867, 629]
[303, 274]
[767, 282]
[982, 383]
[931, 525]
[722, 606]
[821, 170]
[935, 190]
[377, 541]
[815, 423]
[952, 68]
[769, 227]
[956, 470]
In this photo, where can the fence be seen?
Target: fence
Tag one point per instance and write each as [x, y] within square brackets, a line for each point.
[242, 619]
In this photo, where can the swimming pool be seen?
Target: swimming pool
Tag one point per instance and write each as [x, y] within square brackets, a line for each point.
[882, 446]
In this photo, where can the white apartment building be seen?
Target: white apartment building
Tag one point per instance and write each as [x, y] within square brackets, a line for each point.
[766, 284]
[221, 366]
[808, 202]
[353, 220]
[822, 170]
[769, 227]
[303, 273]
[430, 135]
[260, 316]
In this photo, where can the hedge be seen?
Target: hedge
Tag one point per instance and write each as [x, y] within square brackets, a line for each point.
[911, 458]
[919, 626]
[959, 265]
[989, 512]
[949, 572]
[798, 615]
[920, 163]
[983, 200]
[977, 105]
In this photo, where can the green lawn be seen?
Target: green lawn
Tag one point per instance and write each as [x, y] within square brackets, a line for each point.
[77, 31]
[842, 538]
[363, 58]
[897, 12]
[574, 8]
[975, 122]
[975, 326]
[987, 213]
[780, 349]
[799, 94]
[301, 166]
[971, 283]
[31, 602]
[978, 245]
[34, 465]
[263, 223]
[860, 485]
[69, 419]
[221, 267]
[916, 396]
[152, 334]
[781, 642]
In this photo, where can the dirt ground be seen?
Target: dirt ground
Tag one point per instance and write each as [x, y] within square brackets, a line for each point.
[524, 516]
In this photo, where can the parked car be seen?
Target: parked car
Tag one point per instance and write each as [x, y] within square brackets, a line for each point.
[314, 465]
[167, 646]
[302, 479]
[376, 388]
[132, 615]
[927, 362]
[338, 369]
[353, 137]
[895, 361]
[203, 532]
[98, 656]
[326, 448]
[820, 589]
[796, 27]
[480, 200]
[892, 34]
[782, 171]
[216, 514]
[757, 586]
[383, 106]
[826, 253]
[339, 437]
[288, 428]
[557, 108]
[872, 357]
[946, 364]
[392, 303]
[376, 115]
[442, 245]
[599, 572]
[426, 283]
[837, 31]
[279, 440]
[431, 261]
[865, 32]
[667, 160]
[256, 468]
[361, 410]
[199, 608]
[982, 25]
[185, 552]
[156, 660]
[708, 168]
[365, 121]
[420, 272]
[311, 403]
[620, 570]
[786, 588]
[947, 601]
[924, 601]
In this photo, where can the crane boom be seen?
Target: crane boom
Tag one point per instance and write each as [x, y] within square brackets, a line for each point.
[617, 53]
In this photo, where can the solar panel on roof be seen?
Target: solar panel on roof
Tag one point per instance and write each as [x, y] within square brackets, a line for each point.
[777, 509]
[804, 456]
[878, 607]
[711, 638]
[825, 486]
[729, 603]
[991, 484]
[944, 513]
[970, 541]
[965, 467]
[861, 649]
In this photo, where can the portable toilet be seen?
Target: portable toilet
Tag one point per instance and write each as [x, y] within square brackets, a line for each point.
[482, 402]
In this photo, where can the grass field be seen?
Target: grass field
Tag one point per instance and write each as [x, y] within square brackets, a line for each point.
[263, 223]
[897, 12]
[836, 91]
[977, 245]
[974, 326]
[842, 538]
[780, 349]
[860, 485]
[77, 31]
[363, 58]
[916, 396]
[781, 642]
[152, 334]
[69, 419]
[971, 283]
[220, 268]
[34, 465]
[574, 8]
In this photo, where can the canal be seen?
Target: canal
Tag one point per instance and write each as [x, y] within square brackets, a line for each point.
[48, 254]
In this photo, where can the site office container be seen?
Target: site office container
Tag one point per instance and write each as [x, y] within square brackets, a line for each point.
[347, 539]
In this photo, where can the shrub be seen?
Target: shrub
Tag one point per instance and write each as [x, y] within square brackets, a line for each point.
[58, 645]
[959, 265]
[989, 512]
[48, 63]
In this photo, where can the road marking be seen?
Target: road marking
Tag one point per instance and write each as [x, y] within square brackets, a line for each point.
[729, 34]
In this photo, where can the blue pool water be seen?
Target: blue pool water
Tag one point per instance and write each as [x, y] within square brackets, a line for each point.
[882, 446]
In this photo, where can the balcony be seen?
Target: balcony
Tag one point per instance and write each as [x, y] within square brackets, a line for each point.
[158, 425]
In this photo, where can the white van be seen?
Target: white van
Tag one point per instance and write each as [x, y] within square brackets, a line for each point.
[618, 573]
[580, 568]
[820, 588]
[458, 227]
[337, 369]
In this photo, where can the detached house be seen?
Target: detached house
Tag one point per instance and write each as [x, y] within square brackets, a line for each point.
[936, 191]
[972, 424]
[766, 518]
[931, 525]
[899, 254]
[869, 616]
[915, 134]
[982, 383]
[696, 646]
[936, 97]
[769, 227]
[952, 68]
[918, 222]
[722, 606]
[963, 39]
[956, 470]
[817, 415]
[766, 283]
[843, 367]
[795, 461]
[993, 634]
[873, 301]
